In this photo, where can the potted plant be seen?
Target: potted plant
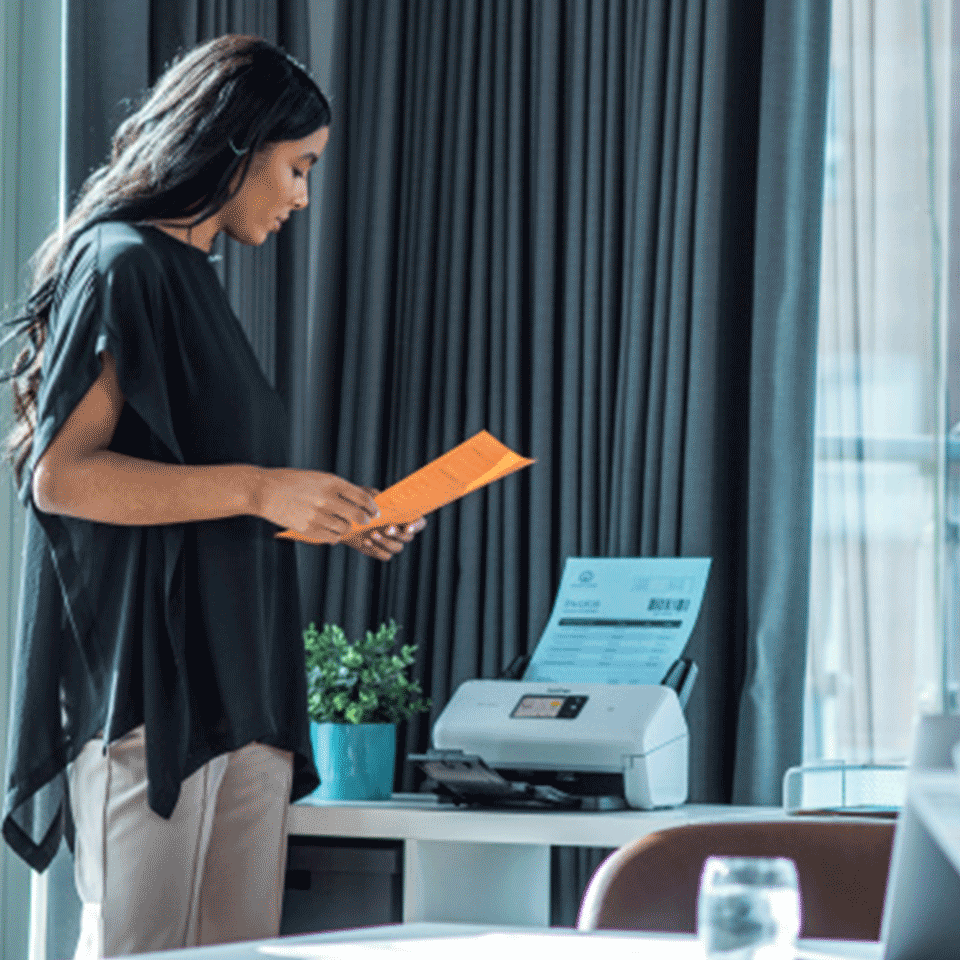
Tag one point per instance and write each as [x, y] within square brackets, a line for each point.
[357, 693]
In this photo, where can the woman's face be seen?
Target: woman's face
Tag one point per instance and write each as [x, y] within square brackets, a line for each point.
[275, 186]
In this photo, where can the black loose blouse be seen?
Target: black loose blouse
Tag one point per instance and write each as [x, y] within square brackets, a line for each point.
[192, 629]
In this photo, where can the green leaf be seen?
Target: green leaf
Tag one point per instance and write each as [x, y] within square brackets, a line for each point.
[363, 681]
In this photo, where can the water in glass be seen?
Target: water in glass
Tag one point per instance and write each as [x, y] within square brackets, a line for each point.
[748, 908]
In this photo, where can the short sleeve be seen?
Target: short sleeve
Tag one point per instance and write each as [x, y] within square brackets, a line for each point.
[113, 298]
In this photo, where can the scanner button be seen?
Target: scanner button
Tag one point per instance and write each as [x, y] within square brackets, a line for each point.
[571, 707]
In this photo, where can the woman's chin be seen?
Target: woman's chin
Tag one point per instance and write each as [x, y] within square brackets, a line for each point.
[250, 237]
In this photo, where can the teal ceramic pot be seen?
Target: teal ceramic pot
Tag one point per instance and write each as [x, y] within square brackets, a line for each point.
[355, 761]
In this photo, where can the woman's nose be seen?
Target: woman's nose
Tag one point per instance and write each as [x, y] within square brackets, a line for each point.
[302, 197]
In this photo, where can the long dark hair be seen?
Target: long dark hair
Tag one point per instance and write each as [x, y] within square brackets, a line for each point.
[175, 157]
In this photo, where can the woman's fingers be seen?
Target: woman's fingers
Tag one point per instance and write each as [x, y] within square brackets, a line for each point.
[383, 543]
[356, 506]
[371, 549]
[378, 544]
[375, 547]
[316, 504]
[407, 531]
[402, 533]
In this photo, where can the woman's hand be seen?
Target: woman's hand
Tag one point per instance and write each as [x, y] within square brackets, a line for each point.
[385, 542]
[317, 505]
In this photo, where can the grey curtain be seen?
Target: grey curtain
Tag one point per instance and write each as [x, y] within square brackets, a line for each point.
[593, 229]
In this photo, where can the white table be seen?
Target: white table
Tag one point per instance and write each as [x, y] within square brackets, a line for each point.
[431, 941]
[487, 866]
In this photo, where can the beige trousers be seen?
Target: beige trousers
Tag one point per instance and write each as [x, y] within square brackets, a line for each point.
[212, 873]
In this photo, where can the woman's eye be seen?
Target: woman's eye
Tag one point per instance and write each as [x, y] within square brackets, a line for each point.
[298, 173]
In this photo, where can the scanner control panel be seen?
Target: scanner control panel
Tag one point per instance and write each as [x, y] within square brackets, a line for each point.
[539, 707]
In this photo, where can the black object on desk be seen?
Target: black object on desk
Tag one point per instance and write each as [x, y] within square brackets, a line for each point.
[465, 780]
[680, 678]
[338, 883]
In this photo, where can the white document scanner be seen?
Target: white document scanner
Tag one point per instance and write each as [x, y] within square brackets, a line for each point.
[542, 744]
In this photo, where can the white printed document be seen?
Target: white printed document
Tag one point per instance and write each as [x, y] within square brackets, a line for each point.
[620, 619]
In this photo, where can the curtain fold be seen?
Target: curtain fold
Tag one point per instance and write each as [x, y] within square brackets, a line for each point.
[790, 173]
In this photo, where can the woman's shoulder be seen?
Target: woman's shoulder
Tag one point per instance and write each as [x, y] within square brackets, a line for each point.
[113, 250]
[121, 254]
[112, 242]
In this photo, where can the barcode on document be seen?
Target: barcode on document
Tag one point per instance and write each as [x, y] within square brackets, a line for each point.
[664, 604]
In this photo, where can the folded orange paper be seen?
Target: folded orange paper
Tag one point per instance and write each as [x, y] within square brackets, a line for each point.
[468, 467]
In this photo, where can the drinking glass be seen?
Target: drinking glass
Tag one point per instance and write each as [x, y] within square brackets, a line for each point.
[748, 908]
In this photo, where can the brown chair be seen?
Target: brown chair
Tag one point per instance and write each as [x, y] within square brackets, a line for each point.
[651, 884]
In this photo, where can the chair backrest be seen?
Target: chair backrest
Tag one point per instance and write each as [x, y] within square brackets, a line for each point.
[652, 883]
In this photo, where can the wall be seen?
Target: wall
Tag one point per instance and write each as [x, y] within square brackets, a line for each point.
[30, 47]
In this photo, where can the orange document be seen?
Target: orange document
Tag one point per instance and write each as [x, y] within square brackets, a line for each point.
[471, 465]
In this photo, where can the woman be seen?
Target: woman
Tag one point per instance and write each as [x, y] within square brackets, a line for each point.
[159, 702]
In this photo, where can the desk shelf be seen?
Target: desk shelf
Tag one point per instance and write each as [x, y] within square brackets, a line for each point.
[500, 859]
[416, 817]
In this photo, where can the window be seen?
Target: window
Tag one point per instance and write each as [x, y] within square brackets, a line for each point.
[881, 579]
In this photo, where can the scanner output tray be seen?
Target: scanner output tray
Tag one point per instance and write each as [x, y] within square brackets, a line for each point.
[466, 780]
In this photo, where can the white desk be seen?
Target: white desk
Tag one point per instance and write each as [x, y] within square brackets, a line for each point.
[423, 941]
[486, 866]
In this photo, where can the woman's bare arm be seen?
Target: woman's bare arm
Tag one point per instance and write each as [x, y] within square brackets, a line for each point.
[79, 477]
